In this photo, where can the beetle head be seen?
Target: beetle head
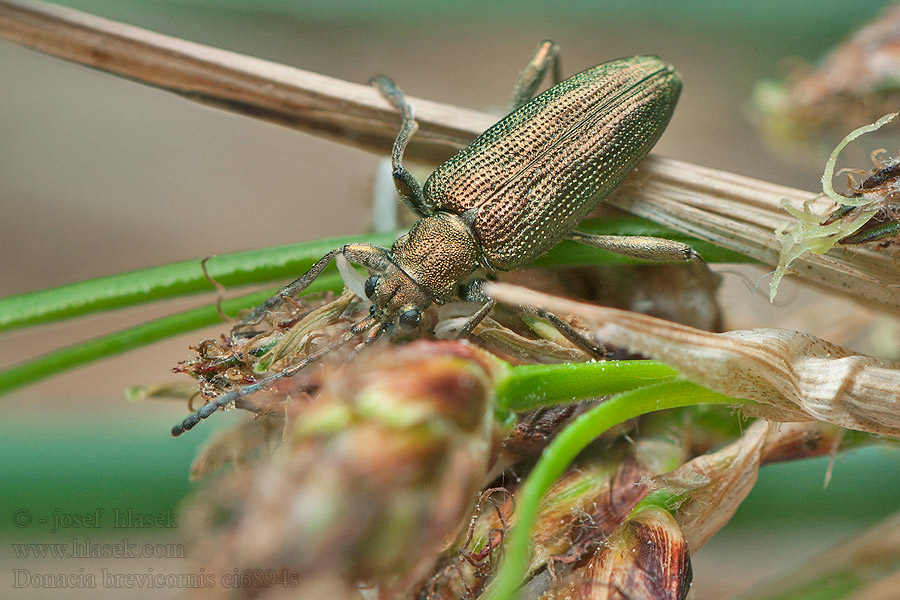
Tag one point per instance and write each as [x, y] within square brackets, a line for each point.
[396, 297]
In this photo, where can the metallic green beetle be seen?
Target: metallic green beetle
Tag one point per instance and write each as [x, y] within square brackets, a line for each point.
[518, 189]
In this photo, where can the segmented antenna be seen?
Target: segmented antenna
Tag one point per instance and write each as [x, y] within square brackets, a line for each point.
[229, 398]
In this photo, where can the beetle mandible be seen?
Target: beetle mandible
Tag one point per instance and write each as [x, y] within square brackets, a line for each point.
[518, 189]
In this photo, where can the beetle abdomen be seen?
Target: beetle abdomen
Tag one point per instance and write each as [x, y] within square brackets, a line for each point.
[535, 174]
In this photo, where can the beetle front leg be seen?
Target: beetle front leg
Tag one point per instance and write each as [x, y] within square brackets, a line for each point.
[472, 292]
[368, 255]
[288, 291]
[638, 246]
[545, 59]
[409, 189]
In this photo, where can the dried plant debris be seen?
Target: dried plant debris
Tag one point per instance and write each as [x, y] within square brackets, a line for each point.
[372, 482]
[649, 486]
[868, 214]
[575, 519]
[793, 376]
[297, 329]
[866, 567]
[644, 557]
[372, 473]
[705, 492]
[855, 83]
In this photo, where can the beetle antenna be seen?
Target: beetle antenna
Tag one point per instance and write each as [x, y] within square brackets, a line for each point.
[223, 400]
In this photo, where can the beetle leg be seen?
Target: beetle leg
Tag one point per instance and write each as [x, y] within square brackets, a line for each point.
[584, 343]
[638, 246]
[473, 292]
[876, 234]
[288, 291]
[476, 318]
[409, 189]
[371, 337]
[545, 59]
[368, 255]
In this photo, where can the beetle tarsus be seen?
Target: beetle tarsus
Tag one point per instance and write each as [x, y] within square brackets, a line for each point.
[545, 59]
[584, 343]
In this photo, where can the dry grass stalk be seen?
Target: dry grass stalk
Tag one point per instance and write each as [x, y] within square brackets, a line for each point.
[794, 376]
[262, 89]
[737, 212]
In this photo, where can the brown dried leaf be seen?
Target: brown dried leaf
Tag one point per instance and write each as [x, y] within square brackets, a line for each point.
[795, 376]
[645, 557]
[715, 485]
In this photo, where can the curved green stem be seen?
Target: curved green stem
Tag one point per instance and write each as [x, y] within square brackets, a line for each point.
[531, 386]
[564, 448]
[82, 353]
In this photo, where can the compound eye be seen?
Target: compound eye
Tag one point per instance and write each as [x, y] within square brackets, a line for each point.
[410, 318]
[369, 288]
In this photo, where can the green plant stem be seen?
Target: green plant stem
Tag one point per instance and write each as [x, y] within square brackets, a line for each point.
[83, 353]
[564, 448]
[531, 386]
[167, 281]
[281, 262]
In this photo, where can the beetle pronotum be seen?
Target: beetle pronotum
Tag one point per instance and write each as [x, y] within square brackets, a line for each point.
[519, 188]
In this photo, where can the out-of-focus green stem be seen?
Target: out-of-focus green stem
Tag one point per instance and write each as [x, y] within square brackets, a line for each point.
[565, 447]
[82, 353]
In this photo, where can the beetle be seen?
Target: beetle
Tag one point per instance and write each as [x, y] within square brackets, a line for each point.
[518, 189]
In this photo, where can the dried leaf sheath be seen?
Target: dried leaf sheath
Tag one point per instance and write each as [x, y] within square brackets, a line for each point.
[795, 376]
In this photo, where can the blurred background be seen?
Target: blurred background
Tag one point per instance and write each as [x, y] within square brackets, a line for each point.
[100, 175]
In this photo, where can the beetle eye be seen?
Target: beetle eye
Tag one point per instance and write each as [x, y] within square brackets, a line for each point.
[409, 319]
[369, 288]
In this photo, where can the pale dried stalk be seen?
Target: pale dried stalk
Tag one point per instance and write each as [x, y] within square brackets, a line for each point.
[714, 485]
[740, 213]
[350, 112]
[795, 376]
